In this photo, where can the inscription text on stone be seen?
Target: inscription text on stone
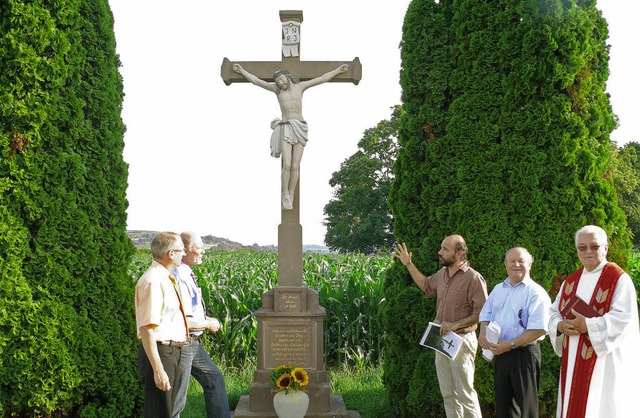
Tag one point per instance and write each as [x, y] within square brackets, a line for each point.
[289, 344]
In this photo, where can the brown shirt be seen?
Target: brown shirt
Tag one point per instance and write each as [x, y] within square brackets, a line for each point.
[457, 297]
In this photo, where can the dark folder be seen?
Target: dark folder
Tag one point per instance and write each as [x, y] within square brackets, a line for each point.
[579, 306]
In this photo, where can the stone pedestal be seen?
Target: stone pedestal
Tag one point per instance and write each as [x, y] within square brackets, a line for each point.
[291, 331]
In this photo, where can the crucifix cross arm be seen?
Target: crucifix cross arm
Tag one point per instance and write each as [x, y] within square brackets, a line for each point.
[303, 70]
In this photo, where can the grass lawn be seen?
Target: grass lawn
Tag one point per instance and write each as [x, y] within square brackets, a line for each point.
[361, 389]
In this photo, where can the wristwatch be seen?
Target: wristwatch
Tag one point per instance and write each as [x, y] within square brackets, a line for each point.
[513, 344]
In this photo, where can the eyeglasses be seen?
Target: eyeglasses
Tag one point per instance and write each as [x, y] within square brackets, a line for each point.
[592, 247]
[179, 250]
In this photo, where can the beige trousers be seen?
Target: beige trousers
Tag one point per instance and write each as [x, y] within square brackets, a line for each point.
[456, 380]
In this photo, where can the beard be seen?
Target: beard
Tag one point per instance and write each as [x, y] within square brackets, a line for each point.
[446, 262]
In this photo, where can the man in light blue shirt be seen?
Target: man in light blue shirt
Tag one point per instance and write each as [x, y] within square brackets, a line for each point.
[520, 307]
[195, 357]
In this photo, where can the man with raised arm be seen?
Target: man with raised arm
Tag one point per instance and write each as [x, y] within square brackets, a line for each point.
[290, 131]
[460, 293]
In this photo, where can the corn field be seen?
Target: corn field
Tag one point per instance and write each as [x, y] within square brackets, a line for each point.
[350, 289]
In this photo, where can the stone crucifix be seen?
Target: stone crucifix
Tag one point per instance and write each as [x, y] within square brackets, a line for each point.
[288, 79]
[291, 320]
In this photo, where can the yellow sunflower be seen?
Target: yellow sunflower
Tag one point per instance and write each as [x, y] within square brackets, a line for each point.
[300, 376]
[284, 382]
[280, 368]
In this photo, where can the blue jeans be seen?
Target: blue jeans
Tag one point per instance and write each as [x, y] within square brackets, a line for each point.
[205, 371]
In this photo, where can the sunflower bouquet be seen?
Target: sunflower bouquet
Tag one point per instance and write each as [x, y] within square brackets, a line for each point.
[285, 377]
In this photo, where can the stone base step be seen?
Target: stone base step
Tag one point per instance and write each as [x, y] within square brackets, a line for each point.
[337, 410]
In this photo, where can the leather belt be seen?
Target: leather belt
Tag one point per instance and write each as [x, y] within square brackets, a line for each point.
[178, 344]
[526, 346]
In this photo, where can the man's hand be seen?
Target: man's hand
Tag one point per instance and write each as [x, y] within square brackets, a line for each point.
[344, 68]
[237, 68]
[500, 347]
[446, 327]
[483, 342]
[213, 325]
[575, 326]
[161, 379]
[403, 254]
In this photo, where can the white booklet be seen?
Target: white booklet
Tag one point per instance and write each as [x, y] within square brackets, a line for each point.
[492, 333]
[448, 344]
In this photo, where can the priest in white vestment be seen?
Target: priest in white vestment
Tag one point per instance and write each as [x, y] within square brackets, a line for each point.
[600, 368]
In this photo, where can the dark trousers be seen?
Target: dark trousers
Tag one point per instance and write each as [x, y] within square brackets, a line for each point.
[205, 371]
[516, 375]
[157, 403]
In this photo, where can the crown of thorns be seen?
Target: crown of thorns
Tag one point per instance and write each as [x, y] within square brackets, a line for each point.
[281, 72]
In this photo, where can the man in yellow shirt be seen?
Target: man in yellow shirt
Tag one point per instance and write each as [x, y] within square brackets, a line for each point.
[162, 328]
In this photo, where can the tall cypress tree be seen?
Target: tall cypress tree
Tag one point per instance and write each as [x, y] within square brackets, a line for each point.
[66, 333]
[505, 140]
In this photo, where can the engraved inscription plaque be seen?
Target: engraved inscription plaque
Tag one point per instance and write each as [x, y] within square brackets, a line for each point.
[288, 344]
[290, 300]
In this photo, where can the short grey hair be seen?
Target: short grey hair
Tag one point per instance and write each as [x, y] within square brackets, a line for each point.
[187, 238]
[599, 233]
[162, 243]
[527, 255]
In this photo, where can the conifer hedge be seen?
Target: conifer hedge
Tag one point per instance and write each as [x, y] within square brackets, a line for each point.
[67, 333]
[504, 140]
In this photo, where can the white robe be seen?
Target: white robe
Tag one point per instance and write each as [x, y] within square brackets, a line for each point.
[615, 338]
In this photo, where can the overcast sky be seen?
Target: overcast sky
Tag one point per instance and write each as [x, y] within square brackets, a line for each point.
[198, 150]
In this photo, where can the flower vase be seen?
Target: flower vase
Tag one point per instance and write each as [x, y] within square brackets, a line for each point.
[291, 405]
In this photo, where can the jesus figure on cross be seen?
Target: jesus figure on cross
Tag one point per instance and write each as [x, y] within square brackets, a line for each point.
[290, 131]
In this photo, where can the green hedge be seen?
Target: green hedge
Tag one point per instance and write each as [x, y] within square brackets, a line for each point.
[67, 332]
[505, 141]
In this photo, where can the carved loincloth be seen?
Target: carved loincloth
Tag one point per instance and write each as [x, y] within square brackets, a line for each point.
[290, 131]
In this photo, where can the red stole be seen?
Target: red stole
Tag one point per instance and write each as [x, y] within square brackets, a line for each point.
[585, 357]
